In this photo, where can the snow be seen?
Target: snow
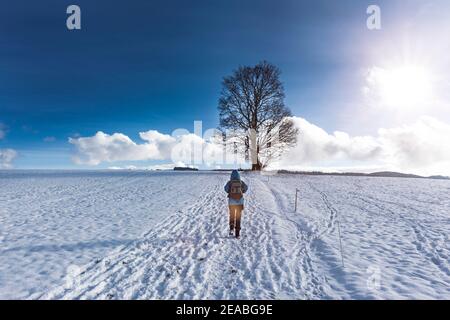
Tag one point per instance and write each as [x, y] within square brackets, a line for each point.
[163, 235]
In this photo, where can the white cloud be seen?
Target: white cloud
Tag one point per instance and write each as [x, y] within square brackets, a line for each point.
[7, 156]
[103, 147]
[162, 142]
[315, 147]
[422, 147]
[181, 148]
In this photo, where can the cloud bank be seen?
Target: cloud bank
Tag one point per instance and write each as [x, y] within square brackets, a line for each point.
[7, 156]
[422, 147]
[182, 147]
[103, 147]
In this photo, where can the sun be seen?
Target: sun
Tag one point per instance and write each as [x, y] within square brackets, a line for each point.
[407, 86]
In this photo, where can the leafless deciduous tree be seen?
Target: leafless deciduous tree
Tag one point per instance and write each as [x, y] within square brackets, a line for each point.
[253, 115]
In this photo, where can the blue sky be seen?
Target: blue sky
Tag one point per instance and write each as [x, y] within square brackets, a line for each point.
[141, 65]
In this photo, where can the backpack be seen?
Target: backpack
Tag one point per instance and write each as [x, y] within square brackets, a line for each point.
[235, 189]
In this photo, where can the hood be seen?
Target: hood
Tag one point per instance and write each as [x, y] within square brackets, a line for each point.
[235, 175]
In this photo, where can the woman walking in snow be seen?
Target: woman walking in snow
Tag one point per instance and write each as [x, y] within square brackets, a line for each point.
[235, 189]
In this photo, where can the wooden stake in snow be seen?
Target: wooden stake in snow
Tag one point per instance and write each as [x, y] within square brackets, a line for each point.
[296, 192]
[340, 243]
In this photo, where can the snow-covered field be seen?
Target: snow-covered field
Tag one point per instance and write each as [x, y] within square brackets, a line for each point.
[136, 235]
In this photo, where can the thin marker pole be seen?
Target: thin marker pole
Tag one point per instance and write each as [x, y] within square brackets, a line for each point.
[296, 191]
[340, 243]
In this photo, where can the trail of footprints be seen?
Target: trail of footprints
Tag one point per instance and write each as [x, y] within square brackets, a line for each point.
[190, 256]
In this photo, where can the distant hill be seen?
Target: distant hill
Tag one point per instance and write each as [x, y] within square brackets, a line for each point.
[394, 174]
[439, 177]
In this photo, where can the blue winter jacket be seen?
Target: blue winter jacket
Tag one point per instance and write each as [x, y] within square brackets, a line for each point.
[235, 176]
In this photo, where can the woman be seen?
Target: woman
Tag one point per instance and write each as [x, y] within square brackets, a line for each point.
[235, 189]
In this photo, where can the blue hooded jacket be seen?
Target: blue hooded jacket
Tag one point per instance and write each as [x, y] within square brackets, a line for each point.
[235, 176]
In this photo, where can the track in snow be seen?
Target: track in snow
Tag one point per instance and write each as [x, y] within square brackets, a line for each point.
[390, 225]
[190, 256]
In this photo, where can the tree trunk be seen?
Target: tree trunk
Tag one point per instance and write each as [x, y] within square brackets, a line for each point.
[254, 150]
[256, 166]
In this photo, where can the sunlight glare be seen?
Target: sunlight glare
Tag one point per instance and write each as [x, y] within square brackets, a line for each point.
[406, 87]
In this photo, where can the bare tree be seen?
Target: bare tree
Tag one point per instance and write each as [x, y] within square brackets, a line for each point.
[253, 114]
